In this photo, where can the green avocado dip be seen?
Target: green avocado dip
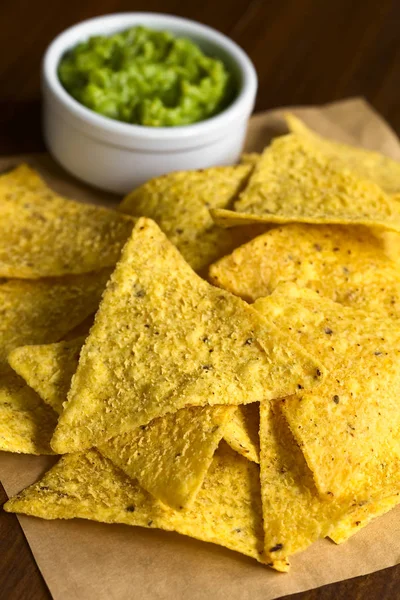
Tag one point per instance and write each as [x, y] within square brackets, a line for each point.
[146, 77]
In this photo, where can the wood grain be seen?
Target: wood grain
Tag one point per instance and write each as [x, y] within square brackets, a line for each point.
[305, 52]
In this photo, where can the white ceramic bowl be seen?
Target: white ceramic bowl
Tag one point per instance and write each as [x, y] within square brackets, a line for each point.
[117, 156]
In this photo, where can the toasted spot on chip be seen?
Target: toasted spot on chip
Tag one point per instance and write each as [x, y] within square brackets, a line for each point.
[348, 429]
[241, 432]
[26, 423]
[163, 339]
[346, 264]
[227, 510]
[361, 517]
[365, 163]
[180, 202]
[296, 182]
[294, 515]
[169, 457]
[45, 235]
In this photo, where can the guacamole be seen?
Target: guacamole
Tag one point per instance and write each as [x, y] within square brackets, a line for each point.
[146, 77]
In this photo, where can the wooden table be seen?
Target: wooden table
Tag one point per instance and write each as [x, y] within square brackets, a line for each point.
[305, 52]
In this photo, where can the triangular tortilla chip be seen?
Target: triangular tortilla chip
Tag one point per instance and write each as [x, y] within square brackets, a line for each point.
[26, 423]
[48, 368]
[354, 521]
[37, 312]
[295, 182]
[180, 202]
[44, 311]
[170, 456]
[164, 339]
[348, 429]
[241, 432]
[345, 264]
[45, 235]
[366, 164]
[227, 510]
[294, 514]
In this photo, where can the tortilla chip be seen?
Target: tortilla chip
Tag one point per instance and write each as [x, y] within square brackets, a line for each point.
[227, 510]
[295, 182]
[180, 202]
[44, 311]
[353, 522]
[381, 169]
[48, 368]
[241, 432]
[169, 457]
[164, 339]
[250, 158]
[45, 235]
[348, 429]
[344, 264]
[26, 423]
[294, 515]
[33, 313]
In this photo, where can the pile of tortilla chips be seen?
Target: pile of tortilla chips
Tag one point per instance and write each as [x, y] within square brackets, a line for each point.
[220, 357]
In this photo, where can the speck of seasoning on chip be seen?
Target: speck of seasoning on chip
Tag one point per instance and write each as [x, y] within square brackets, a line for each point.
[336, 399]
[150, 523]
[328, 331]
[249, 341]
[276, 548]
[130, 508]
[317, 247]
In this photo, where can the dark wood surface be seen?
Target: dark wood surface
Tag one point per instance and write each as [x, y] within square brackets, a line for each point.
[305, 52]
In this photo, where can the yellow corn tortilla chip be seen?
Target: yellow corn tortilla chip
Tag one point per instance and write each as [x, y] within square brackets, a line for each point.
[294, 515]
[169, 457]
[37, 312]
[163, 339]
[360, 517]
[48, 368]
[45, 235]
[366, 164]
[180, 202]
[345, 264]
[241, 432]
[250, 158]
[26, 423]
[389, 241]
[44, 311]
[348, 429]
[295, 182]
[227, 510]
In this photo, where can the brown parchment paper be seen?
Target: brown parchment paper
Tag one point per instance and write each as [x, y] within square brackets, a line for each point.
[82, 560]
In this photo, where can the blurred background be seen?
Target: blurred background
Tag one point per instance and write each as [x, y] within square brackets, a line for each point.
[305, 51]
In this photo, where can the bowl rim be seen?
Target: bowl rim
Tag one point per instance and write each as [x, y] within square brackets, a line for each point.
[70, 37]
